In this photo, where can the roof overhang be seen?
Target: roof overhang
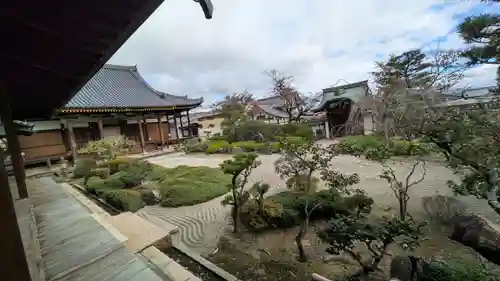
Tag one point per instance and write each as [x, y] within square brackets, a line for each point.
[208, 8]
[54, 47]
[353, 93]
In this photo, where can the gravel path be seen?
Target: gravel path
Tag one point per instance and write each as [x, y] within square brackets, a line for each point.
[201, 225]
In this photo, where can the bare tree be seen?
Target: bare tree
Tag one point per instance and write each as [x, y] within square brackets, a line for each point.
[294, 103]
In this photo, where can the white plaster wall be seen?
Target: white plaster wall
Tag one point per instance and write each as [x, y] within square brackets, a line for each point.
[369, 126]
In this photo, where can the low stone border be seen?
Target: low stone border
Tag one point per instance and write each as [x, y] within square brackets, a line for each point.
[208, 265]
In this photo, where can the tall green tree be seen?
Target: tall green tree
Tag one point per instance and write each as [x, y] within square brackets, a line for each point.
[233, 108]
[482, 32]
[438, 69]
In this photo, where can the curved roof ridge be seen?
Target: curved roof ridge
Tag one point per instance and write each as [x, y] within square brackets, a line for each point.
[123, 86]
[120, 67]
[138, 75]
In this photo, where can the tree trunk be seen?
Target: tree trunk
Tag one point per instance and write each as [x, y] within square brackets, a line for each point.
[402, 205]
[235, 216]
[298, 239]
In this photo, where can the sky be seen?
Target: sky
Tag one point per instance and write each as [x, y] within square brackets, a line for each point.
[320, 43]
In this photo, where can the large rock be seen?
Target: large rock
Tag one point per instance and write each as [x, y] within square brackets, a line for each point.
[470, 229]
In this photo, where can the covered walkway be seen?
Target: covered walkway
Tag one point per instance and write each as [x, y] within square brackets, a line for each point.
[63, 241]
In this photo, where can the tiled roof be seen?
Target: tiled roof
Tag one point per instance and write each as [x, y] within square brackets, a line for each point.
[123, 87]
[354, 92]
[271, 110]
[273, 101]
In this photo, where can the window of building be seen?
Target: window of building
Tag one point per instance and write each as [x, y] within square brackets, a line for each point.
[211, 125]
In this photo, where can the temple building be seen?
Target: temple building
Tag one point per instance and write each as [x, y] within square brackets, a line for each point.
[341, 109]
[115, 101]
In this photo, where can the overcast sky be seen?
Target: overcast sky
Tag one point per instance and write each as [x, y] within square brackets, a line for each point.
[319, 42]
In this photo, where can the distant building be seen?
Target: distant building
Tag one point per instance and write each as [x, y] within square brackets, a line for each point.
[466, 97]
[341, 112]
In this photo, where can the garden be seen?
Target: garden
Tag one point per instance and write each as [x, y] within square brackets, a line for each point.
[250, 136]
[129, 184]
[334, 229]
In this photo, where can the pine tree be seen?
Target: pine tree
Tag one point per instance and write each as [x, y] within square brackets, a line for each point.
[482, 32]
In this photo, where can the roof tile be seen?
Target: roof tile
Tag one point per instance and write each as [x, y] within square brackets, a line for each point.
[122, 87]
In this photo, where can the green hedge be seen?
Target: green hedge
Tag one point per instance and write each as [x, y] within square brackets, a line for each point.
[254, 129]
[83, 167]
[220, 146]
[360, 145]
[118, 164]
[286, 209]
[186, 185]
[456, 271]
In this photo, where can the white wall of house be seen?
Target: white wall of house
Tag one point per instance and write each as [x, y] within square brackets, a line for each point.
[369, 125]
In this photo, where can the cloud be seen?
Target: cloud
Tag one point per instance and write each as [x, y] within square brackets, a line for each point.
[316, 41]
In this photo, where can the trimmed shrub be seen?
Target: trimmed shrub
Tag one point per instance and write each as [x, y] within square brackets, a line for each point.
[125, 200]
[147, 195]
[102, 173]
[194, 146]
[291, 209]
[274, 147]
[249, 146]
[96, 185]
[409, 148]
[357, 145]
[456, 271]
[108, 148]
[118, 164]
[218, 147]
[252, 130]
[186, 185]
[297, 129]
[83, 167]
[133, 176]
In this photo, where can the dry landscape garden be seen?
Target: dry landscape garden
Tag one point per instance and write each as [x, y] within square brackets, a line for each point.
[417, 198]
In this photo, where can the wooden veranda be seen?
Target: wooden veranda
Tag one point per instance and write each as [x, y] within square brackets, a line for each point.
[53, 49]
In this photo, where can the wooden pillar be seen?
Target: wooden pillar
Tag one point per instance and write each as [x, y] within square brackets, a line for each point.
[141, 133]
[123, 127]
[160, 129]
[182, 126]
[13, 145]
[72, 142]
[190, 130]
[176, 128]
[13, 262]
[100, 128]
[169, 135]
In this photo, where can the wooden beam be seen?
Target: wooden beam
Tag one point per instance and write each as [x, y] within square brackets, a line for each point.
[141, 133]
[100, 128]
[13, 144]
[13, 262]
[160, 128]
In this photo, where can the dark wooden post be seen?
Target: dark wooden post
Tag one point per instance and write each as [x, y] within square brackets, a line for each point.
[176, 128]
[160, 129]
[123, 127]
[72, 143]
[182, 126]
[190, 130]
[169, 136]
[141, 133]
[13, 145]
[100, 128]
[14, 263]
